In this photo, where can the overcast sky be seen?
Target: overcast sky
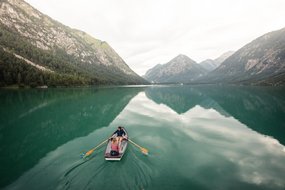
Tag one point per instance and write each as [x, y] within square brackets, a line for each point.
[147, 32]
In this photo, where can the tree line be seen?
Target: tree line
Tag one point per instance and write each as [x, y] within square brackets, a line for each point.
[68, 70]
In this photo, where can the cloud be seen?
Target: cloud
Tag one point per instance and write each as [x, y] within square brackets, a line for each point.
[147, 32]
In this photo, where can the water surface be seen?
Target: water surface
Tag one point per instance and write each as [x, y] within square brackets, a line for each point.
[199, 137]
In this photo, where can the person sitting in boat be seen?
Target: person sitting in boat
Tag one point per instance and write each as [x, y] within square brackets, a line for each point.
[114, 147]
[120, 134]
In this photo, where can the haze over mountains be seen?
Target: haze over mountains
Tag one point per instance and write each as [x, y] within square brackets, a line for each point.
[261, 61]
[182, 69]
[37, 50]
[210, 64]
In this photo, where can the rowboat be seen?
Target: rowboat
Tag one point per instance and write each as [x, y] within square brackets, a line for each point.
[122, 148]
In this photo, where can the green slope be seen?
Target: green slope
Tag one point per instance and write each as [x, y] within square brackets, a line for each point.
[75, 57]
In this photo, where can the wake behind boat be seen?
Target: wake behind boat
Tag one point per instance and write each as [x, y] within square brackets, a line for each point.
[122, 147]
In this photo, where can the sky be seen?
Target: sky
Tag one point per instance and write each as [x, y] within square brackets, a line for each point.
[150, 32]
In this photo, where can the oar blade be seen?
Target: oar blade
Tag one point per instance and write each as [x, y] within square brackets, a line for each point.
[144, 151]
[92, 150]
[88, 153]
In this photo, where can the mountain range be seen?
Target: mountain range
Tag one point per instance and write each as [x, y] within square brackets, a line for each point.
[183, 69]
[37, 50]
[261, 61]
[179, 69]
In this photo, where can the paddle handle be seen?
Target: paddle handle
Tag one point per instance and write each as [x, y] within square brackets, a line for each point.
[135, 144]
[100, 144]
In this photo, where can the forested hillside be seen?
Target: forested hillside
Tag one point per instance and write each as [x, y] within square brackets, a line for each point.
[36, 50]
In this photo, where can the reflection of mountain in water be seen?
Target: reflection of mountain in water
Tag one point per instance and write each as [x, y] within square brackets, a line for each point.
[260, 108]
[179, 99]
[34, 122]
[182, 98]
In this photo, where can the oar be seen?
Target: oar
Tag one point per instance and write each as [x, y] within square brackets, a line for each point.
[143, 150]
[92, 150]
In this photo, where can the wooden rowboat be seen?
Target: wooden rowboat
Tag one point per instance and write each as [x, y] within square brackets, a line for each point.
[122, 148]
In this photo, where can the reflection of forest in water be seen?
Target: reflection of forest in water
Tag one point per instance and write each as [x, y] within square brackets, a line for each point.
[34, 122]
[260, 108]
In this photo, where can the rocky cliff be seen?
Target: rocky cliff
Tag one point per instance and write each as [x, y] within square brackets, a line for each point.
[68, 53]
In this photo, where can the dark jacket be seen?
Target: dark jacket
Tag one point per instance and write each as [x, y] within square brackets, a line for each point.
[119, 133]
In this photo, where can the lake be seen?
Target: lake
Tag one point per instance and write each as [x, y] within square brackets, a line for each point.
[198, 137]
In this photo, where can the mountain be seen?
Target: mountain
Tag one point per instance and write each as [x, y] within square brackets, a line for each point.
[262, 61]
[223, 57]
[37, 50]
[180, 69]
[211, 65]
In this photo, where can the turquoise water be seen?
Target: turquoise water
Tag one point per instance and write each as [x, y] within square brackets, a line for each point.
[198, 137]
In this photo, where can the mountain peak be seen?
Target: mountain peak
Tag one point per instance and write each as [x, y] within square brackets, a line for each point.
[177, 70]
[181, 61]
[259, 62]
[183, 57]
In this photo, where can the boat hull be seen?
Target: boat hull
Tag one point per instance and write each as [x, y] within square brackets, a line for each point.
[122, 149]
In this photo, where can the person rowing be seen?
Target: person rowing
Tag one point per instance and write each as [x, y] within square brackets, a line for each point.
[120, 132]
